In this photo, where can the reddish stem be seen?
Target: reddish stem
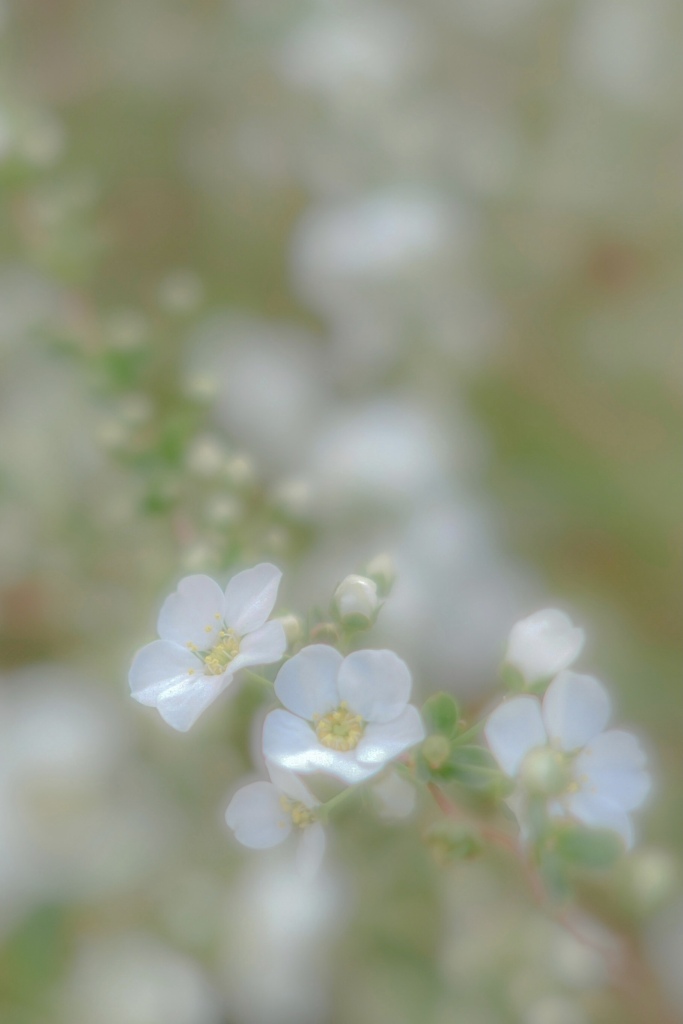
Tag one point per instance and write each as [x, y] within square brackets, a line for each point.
[631, 975]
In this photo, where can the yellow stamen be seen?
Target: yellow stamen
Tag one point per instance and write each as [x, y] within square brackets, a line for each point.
[219, 657]
[340, 729]
[301, 815]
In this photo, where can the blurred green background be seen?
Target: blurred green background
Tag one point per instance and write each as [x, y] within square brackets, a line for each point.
[307, 281]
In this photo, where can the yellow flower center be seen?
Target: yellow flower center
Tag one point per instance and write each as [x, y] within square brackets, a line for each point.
[301, 815]
[340, 729]
[219, 657]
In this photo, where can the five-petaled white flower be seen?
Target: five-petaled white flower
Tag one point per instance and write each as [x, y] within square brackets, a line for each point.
[206, 636]
[544, 644]
[263, 814]
[557, 748]
[345, 716]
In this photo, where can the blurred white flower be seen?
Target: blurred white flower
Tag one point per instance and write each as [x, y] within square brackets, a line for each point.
[376, 240]
[348, 52]
[263, 814]
[544, 644]
[75, 809]
[345, 716]
[275, 916]
[132, 978]
[206, 637]
[557, 748]
[270, 384]
[356, 599]
[388, 453]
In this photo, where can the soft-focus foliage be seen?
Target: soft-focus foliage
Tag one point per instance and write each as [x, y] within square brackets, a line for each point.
[300, 283]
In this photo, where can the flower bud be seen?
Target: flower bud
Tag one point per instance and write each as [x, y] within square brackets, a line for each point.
[544, 644]
[325, 633]
[293, 628]
[356, 601]
[241, 471]
[382, 571]
[436, 750]
[544, 772]
[650, 878]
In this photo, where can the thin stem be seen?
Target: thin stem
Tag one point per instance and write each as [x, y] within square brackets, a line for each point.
[335, 802]
[469, 734]
[256, 678]
[631, 976]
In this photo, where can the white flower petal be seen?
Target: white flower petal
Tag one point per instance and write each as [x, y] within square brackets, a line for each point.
[543, 644]
[623, 787]
[376, 684]
[193, 614]
[615, 748]
[262, 647]
[159, 665]
[291, 785]
[307, 683]
[290, 742]
[256, 816]
[575, 709]
[311, 850]
[397, 797]
[611, 766]
[513, 729]
[598, 813]
[250, 596]
[181, 704]
[382, 742]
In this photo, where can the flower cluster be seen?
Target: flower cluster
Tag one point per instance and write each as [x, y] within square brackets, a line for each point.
[346, 717]
[557, 749]
[349, 716]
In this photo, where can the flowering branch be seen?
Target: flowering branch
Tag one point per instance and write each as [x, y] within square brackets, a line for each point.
[546, 756]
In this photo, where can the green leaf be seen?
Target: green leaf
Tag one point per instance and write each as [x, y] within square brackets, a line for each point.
[472, 766]
[588, 848]
[441, 714]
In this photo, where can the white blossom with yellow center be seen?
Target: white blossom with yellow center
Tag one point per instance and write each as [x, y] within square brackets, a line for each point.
[207, 635]
[345, 716]
[557, 748]
[263, 814]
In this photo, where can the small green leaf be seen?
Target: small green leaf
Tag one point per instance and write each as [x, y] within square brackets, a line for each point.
[441, 714]
[472, 766]
[588, 848]
[512, 678]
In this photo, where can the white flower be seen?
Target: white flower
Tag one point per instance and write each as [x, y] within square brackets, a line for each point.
[558, 747]
[346, 716]
[544, 644]
[263, 814]
[206, 636]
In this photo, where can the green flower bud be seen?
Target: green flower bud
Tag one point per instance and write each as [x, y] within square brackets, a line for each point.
[436, 750]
